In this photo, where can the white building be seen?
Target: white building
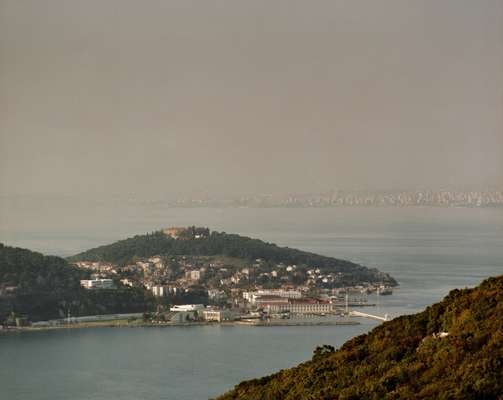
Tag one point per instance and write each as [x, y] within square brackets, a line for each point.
[173, 289]
[287, 294]
[159, 290]
[97, 283]
[310, 307]
[295, 306]
[217, 315]
[187, 307]
[194, 275]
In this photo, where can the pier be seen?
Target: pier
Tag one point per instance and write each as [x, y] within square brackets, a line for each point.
[371, 316]
[296, 322]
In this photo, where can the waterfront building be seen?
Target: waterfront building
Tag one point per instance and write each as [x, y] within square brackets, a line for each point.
[184, 316]
[310, 306]
[218, 315]
[187, 307]
[275, 304]
[272, 303]
[252, 297]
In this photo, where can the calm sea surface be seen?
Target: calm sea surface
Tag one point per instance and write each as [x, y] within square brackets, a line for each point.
[428, 250]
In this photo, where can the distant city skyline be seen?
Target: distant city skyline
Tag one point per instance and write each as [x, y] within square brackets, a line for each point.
[447, 196]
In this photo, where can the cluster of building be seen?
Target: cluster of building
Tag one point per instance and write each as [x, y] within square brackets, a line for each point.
[299, 300]
[195, 313]
[97, 267]
[268, 303]
[443, 198]
[243, 302]
[244, 287]
[231, 287]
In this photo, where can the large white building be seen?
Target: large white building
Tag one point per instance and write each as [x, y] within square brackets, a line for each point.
[287, 294]
[97, 283]
[311, 307]
[275, 304]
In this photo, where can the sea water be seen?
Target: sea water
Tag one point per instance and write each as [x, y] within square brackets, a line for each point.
[428, 250]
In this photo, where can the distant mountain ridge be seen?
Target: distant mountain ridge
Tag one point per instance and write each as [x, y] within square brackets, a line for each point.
[452, 350]
[200, 241]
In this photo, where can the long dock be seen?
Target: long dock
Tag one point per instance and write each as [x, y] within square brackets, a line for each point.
[297, 323]
[371, 316]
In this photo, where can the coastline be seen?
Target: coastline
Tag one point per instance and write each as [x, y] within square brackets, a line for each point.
[142, 324]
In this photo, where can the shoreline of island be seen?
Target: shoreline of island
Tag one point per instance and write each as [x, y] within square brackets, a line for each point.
[143, 324]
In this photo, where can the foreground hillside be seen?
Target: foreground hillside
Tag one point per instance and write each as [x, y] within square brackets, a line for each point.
[229, 245]
[452, 350]
[38, 287]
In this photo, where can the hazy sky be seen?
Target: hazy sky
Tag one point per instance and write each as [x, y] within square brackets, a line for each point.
[183, 97]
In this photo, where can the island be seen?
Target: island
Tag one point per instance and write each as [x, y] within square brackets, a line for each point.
[212, 276]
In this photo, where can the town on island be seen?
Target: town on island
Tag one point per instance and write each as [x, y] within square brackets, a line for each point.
[191, 276]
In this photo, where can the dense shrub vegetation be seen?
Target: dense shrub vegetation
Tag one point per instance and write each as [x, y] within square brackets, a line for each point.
[40, 287]
[406, 358]
[231, 245]
[31, 271]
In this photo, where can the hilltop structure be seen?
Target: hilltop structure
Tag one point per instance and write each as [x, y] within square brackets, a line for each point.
[186, 233]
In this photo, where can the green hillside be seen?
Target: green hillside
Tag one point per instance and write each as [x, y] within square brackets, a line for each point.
[40, 287]
[31, 271]
[229, 245]
[405, 358]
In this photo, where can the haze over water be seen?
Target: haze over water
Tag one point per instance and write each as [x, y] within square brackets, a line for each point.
[178, 97]
[428, 250]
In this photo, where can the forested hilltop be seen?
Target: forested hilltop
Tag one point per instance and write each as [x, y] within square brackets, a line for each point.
[452, 350]
[38, 287]
[229, 245]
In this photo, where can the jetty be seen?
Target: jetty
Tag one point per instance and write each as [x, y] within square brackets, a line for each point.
[371, 316]
[296, 322]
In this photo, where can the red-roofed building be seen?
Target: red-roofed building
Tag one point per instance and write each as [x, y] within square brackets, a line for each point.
[276, 304]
